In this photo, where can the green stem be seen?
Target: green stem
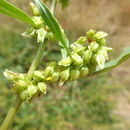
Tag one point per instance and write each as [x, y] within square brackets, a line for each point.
[37, 59]
[13, 110]
[11, 114]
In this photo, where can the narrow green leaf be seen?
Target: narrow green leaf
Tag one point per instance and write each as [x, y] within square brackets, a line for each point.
[53, 24]
[125, 55]
[12, 11]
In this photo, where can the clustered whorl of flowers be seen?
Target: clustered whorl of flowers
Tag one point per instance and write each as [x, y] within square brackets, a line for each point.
[86, 53]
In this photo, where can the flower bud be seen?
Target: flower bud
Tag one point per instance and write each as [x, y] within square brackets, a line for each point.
[34, 9]
[65, 61]
[32, 90]
[24, 95]
[10, 75]
[90, 33]
[42, 87]
[38, 74]
[100, 35]
[94, 46]
[64, 75]
[74, 74]
[101, 42]
[77, 60]
[87, 56]
[49, 71]
[81, 40]
[55, 77]
[41, 34]
[100, 60]
[84, 71]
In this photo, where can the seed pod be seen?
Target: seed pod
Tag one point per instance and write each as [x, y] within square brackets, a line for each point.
[87, 56]
[49, 71]
[77, 60]
[65, 61]
[38, 74]
[64, 75]
[84, 71]
[100, 35]
[81, 40]
[32, 89]
[24, 95]
[42, 87]
[100, 60]
[34, 9]
[74, 74]
[55, 77]
[94, 46]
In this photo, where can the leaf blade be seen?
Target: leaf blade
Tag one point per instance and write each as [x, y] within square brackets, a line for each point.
[53, 24]
[125, 55]
[9, 9]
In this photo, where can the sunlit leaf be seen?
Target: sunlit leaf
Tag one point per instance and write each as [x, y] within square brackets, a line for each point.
[54, 26]
[9, 9]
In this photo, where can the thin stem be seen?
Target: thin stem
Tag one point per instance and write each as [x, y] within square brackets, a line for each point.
[13, 110]
[37, 59]
[11, 114]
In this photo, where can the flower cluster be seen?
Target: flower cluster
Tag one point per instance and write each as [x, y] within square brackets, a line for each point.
[86, 53]
[40, 30]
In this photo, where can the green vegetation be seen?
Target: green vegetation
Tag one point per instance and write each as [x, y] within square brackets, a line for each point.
[77, 105]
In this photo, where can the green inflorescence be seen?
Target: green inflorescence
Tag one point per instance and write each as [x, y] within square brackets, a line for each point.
[87, 52]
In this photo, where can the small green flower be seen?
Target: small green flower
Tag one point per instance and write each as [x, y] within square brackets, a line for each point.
[10, 75]
[77, 60]
[64, 75]
[74, 74]
[42, 87]
[24, 95]
[84, 71]
[32, 89]
[100, 35]
[30, 32]
[38, 74]
[81, 40]
[100, 58]
[41, 35]
[94, 46]
[34, 9]
[49, 71]
[65, 61]
[87, 56]
[55, 77]
[38, 21]
[91, 33]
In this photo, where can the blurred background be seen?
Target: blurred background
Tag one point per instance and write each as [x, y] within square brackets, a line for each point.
[100, 102]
